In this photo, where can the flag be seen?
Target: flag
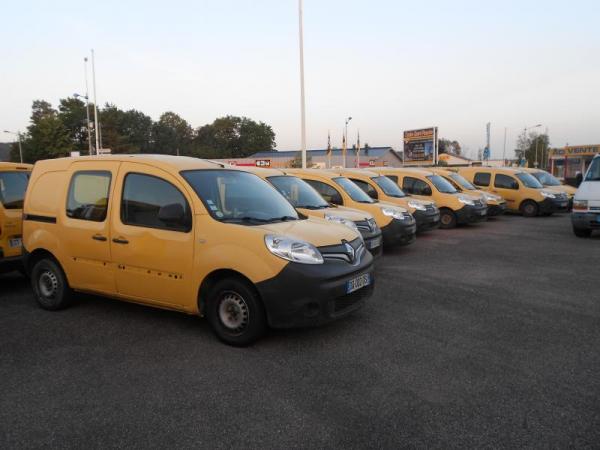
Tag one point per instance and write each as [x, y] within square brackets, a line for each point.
[358, 151]
[344, 149]
[329, 149]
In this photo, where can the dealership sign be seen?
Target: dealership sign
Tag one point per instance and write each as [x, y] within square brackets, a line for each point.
[263, 163]
[420, 146]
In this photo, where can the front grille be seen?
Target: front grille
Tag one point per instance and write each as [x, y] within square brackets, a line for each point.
[430, 208]
[366, 225]
[340, 251]
[347, 301]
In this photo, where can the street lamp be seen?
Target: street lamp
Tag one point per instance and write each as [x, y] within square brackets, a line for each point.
[18, 134]
[536, 141]
[348, 119]
[87, 113]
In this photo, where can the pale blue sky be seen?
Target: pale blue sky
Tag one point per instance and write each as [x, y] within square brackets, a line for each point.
[392, 65]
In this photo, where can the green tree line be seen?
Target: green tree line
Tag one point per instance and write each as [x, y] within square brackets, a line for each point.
[56, 132]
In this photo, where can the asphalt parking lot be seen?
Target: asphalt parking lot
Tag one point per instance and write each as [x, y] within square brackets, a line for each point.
[486, 335]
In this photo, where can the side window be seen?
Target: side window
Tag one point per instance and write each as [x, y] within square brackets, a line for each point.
[415, 186]
[394, 178]
[481, 179]
[88, 196]
[327, 192]
[366, 187]
[505, 182]
[151, 202]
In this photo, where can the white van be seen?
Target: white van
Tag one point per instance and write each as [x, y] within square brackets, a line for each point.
[586, 203]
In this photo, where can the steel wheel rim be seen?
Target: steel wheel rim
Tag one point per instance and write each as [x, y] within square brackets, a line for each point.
[48, 284]
[233, 312]
[446, 219]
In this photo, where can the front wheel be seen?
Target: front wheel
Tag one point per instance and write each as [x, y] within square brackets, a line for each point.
[447, 218]
[235, 312]
[50, 285]
[530, 208]
[582, 232]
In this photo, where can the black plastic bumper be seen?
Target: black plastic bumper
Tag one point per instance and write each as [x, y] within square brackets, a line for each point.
[399, 232]
[471, 214]
[496, 210]
[550, 205]
[585, 220]
[10, 263]
[427, 220]
[373, 241]
[307, 295]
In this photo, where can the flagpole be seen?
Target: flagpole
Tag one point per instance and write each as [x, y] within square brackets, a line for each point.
[302, 102]
[96, 127]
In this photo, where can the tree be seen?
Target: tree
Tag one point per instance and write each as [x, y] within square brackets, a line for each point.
[125, 131]
[172, 135]
[532, 148]
[448, 146]
[73, 115]
[233, 137]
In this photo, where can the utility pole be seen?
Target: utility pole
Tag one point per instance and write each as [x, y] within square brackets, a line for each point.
[87, 107]
[302, 103]
[96, 126]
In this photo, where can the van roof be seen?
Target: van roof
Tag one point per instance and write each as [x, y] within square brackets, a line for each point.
[363, 172]
[322, 173]
[415, 170]
[167, 162]
[263, 171]
[15, 166]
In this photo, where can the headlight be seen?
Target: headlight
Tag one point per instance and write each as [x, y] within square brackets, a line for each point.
[417, 205]
[466, 200]
[491, 197]
[396, 213]
[581, 205]
[547, 194]
[293, 250]
[343, 221]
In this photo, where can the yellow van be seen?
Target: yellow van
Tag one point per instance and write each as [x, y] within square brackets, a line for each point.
[397, 224]
[496, 205]
[550, 181]
[188, 235]
[379, 187]
[455, 207]
[13, 183]
[309, 202]
[522, 191]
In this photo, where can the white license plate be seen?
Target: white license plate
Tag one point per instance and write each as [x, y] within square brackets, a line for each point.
[15, 243]
[359, 282]
[374, 243]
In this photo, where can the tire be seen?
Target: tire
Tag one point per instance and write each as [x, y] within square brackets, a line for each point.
[235, 312]
[50, 286]
[530, 208]
[447, 219]
[582, 232]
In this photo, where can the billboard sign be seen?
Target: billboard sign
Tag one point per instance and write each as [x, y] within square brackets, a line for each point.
[420, 146]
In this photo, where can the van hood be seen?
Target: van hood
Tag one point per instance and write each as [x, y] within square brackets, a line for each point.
[314, 230]
[590, 191]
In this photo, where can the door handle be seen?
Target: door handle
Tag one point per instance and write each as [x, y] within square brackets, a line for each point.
[99, 237]
[120, 241]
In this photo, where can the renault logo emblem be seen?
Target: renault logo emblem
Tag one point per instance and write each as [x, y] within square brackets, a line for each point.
[350, 251]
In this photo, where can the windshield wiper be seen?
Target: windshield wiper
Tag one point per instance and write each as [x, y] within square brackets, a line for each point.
[244, 219]
[281, 219]
[312, 206]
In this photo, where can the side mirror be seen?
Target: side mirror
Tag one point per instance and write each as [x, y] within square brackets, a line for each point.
[172, 214]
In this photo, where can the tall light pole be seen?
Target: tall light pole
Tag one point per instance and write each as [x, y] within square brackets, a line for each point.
[96, 126]
[504, 148]
[87, 114]
[525, 137]
[18, 134]
[302, 104]
[348, 119]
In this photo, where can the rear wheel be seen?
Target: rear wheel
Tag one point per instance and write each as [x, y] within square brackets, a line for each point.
[447, 218]
[530, 208]
[235, 312]
[50, 286]
[582, 232]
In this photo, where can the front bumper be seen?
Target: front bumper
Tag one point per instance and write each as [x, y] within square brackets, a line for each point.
[471, 214]
[373, 241]
[307, 295]
[585, 220]
[10, 263]
[427, 220]
[496, 210]
[551, 205]
[399, 232]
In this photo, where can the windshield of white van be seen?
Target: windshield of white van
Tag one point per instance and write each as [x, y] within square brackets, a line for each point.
[298, 192]
[355, 193]
[239, 197]
[547, 179]
[529, 180]
[389, 187]
[462, 182]
[12, 189]
[593, 173]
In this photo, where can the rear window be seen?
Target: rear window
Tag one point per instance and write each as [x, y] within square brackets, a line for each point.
[12, 189]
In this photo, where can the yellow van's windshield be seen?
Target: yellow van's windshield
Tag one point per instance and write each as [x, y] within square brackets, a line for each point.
[298, 192]
[12, 189]
[239, 197]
